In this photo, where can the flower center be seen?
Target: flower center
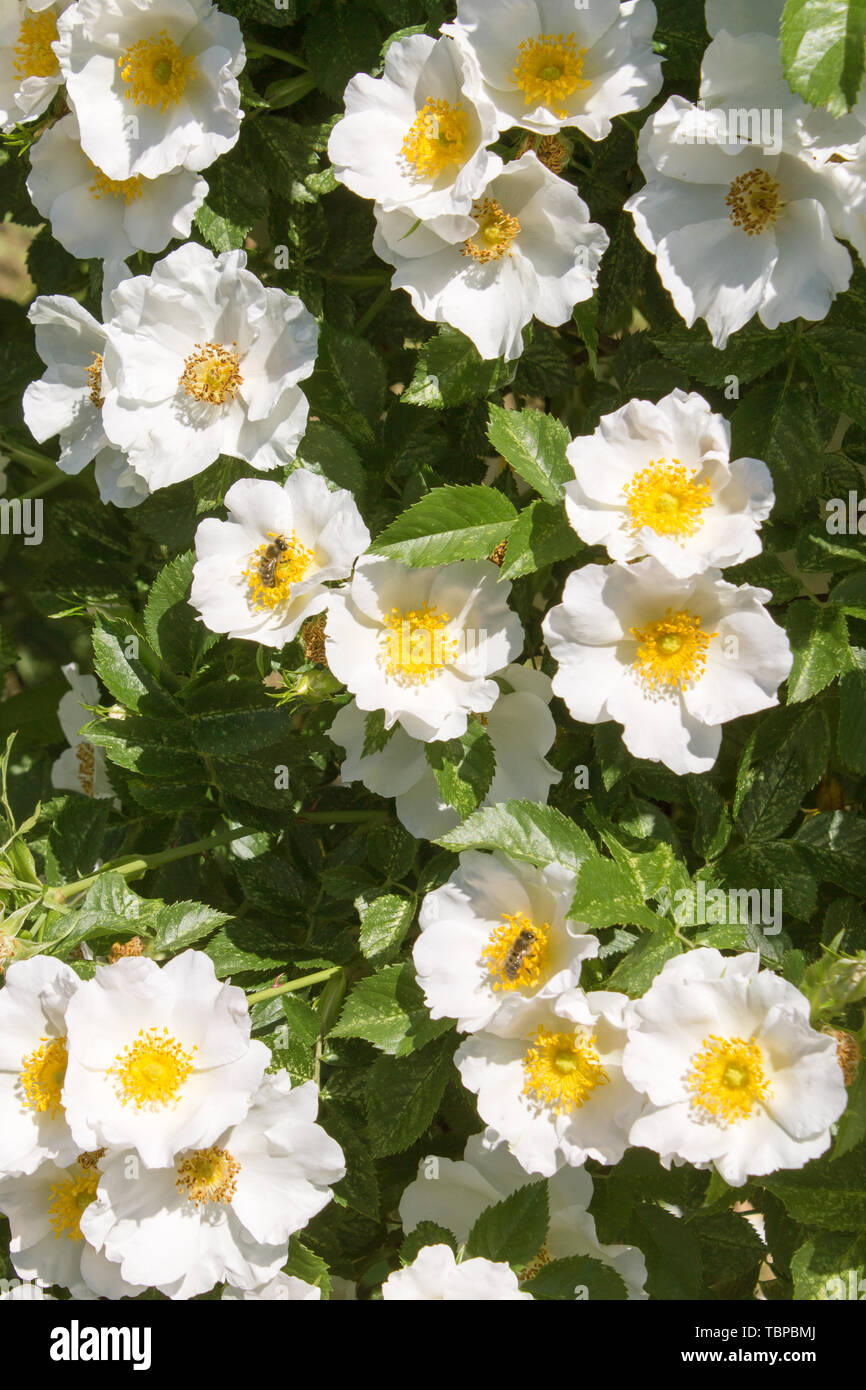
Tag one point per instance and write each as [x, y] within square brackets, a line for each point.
[548, 69]
[43, 1073]
[94, 375]
[436, 138]
[34, 56]
[69, 1201]
[562, 1070]
[667, 499]
[274, 567]
[496, 232]
[212, 374]
[85, 754]
[127, 189]
[152, 1070]
[208, 1175]
[415, 645]
[672, 651]
[754, 201]
[155, 71]
[727, 1078]
[516, 953]
[535, 1266]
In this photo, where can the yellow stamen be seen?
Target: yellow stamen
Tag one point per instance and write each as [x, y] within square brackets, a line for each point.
[727, 1078]
[437, 138]
[667, 499]
[208, 1175]
[152, 1070]
[415, 646]
[562, 1070]
[672, 651]
[212, 373]
[274, 567]
[94, 375]
[516, 954]
[34, 56]
[548, 70]
[85, 754]
[103, 187]
[496, 232]
[155, 71]
[69, 1201]
[754, 201]
[43, 1073]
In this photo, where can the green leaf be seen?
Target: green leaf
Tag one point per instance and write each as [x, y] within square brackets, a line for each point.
[172, 625]
[778, 785]
[585, 316]
[534, 445]
[610, 894]
[178, 925]
[673, 1255]
[830, 1266]
[384, 923]
[732, 1252]
[819, 641]
[403, 1095]
[780, 426]
[578, 1277]
[750, 353]
[829, 1194]
[637, 970]
[852, 1125]
[851, 735]
[464, 768]
[115, 656]
[822, 50]
[451, 372]
[388, 1010]
[540, 536]
[450, 523]
[512, 1231]
[836, 841]
[776, 864]
[425, 1233]
[233, 719]
[325, 450]
[835, 356]
[523, 830]
[303, 1264]
[376, 736]
[347, 389]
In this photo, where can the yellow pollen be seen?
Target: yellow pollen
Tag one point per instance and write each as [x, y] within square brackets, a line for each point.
[496, 232]
[212, 374]
[415, 647]
[43, 1073]
[34, 56]
[208, 1175]
[274, 567]
[103, 187]
[436, 138]
[535, 1266]
[562, 1070]
[667, 499]
[727, 1078]
[69, 1201]
[94, 375]
[548, 70]
[155, 71]
[672, 651]
[152, 1070]
[85, 754]
[754, 201]
[516, 954]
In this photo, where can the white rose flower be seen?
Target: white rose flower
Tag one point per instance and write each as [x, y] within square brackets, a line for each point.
[29, 69]
[735, 1074]
[669, 659]
[743, 16]
[434, 1274]
[658, 480]
[262, 573]
[33, 1061]
[422, 644]
[413, 139]
[81, 766]
[735, 230]
[529, 250]
[521, 730]
[93, 215]
[223, 1212]
[26, 1293]
[159, 1059]
[454, 1195]
[284, 1288]
[203, 360]
[45, 1211]
[497, 932]
[549, 64]
[550, 1082]
[152, 82]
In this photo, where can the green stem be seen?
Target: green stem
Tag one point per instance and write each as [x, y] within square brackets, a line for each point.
[263, 995]
[47, 486]
[133, 866]
[265, 50]
[375, 308]
[25, 455]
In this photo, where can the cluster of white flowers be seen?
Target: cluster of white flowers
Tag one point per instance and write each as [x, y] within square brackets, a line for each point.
[477, 244]
[749, 194]
[717, 1064]
[142, 1145]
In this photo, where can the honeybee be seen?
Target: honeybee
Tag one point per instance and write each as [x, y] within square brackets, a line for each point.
[272, 556]
[518, 951]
